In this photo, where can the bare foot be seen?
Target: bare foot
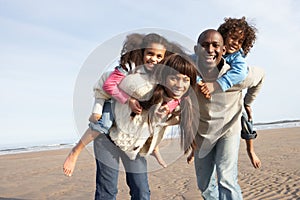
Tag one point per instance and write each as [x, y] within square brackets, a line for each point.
[190, 158]
[159, 159]
[254, 159]
[69, 163]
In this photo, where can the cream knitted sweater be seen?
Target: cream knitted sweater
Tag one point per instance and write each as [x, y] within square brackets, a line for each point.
[139, 134]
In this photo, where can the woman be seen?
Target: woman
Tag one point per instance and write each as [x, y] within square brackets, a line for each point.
[135, 136]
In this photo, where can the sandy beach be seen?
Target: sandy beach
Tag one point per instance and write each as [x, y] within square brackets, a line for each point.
[38, 175]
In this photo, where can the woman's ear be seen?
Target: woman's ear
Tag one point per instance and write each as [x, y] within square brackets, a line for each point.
[195, 49]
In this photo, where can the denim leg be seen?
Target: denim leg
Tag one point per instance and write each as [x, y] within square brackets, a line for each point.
[138, 184]
[106, 179]
[106, 119]
[206, 175]
[107, 158]
[227, 150]
[137, 177]
[107, 162]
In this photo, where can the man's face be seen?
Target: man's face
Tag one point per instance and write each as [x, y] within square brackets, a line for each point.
[210, 49]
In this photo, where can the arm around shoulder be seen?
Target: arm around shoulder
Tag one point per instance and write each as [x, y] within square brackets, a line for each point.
[110, 86]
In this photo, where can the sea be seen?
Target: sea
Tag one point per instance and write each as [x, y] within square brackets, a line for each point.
[173, 133]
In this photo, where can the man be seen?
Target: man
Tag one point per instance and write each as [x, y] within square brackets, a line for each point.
[219, 131]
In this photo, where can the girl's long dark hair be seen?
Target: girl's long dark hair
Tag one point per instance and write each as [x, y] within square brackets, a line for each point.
[131, 51]
[135, 45]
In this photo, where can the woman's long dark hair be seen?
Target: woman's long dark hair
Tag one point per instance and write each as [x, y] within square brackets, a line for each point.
[174, 64]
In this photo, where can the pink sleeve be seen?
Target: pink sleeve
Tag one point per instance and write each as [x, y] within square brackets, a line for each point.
[110, 86]
[173, 104]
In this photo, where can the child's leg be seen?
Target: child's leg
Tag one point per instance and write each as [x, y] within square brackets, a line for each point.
[190, 158]
[91, 133]
[106, 119]
[251, 153]
[70, 161]
[158, 157]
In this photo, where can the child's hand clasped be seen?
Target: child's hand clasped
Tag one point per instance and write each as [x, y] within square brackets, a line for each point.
[204, 89]
[135, 106]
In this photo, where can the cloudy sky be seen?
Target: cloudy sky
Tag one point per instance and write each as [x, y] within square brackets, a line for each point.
[45, 45]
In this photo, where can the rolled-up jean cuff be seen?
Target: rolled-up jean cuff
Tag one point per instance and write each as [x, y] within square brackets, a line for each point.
[248, 136]
[97, 127]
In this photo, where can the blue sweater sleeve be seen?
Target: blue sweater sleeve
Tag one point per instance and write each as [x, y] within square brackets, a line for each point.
[237, 73]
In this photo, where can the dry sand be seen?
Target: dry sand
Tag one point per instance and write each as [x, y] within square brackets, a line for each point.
[38, 175]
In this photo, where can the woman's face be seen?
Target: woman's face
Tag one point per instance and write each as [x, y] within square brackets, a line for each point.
[153, 54]
[177, 85]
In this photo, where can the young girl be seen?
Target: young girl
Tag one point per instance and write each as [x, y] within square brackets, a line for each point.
[239, 37]
[137, 49]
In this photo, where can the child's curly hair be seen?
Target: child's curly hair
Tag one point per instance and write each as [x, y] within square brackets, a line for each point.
[233, 24]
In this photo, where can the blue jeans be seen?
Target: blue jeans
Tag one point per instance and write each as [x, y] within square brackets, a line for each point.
[107, 160]
[217, 171]
[106, 119]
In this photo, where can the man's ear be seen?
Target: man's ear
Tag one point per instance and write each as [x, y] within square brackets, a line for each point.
[224, 50]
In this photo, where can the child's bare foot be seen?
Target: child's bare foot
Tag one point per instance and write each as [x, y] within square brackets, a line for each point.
[190, 158]
[69, 163]
[159, 159]
[254, 159]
